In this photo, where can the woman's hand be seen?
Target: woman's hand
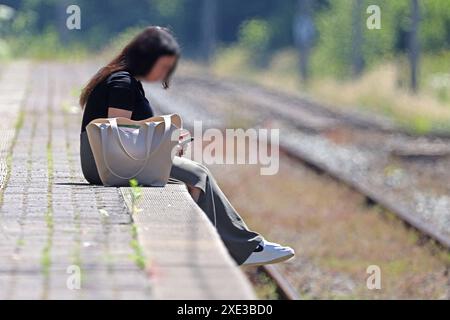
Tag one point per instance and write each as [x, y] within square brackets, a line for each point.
[184, 133]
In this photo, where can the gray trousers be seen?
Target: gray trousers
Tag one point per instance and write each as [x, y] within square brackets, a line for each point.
[237, 237]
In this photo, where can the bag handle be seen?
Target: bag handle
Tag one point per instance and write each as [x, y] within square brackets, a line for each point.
[103, 136]
[115, 128]
[150, 132]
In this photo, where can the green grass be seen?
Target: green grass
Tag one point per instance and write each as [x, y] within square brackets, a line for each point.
[46, 260]
[266, 288]
[17, 126]
[136, 194]
[46, 252]
[138, 253]
[45, 46]
[75, 255]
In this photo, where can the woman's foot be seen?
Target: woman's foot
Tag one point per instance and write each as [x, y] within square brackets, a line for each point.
[269, 252]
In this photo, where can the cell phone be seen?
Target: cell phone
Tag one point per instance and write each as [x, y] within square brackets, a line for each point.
[186, 141]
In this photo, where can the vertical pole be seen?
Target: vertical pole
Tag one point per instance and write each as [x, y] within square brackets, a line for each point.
[357, 39]
[209, 29]
[414, 49]
[61, 17]
[304, 33]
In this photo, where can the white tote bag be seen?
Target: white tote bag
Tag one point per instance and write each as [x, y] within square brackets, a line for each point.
[125, 149]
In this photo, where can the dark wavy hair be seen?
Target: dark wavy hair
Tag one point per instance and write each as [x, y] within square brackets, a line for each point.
[138, 58]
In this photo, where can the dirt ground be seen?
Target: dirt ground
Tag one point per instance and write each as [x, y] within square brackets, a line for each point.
[336, 234]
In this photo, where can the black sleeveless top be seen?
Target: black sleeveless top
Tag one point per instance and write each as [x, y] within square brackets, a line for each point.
[119, 90]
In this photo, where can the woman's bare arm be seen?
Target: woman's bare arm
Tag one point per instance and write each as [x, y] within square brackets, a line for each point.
[116, 112]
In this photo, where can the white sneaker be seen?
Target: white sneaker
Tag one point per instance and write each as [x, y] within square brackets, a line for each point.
[269, 252]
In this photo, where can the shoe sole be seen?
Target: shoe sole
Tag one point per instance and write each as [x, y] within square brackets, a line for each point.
[277, 260]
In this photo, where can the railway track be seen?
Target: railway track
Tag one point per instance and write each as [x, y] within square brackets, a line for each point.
[306, 125]
[301, 111]
[373, 197]
[284, 288]
[317, 136]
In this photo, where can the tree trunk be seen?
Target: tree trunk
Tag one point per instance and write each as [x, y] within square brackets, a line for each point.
[304, 33]
[414, 49]
[209, 29]
[357, 39]
[61, 18]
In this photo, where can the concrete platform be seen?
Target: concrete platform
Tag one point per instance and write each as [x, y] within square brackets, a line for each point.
[183, 249]
[61, 238]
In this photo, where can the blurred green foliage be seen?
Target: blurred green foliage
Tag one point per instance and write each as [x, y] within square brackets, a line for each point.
[335, 29]
[257, 28]
[254, 35]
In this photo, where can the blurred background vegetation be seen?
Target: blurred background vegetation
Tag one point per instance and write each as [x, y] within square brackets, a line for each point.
[317, 47]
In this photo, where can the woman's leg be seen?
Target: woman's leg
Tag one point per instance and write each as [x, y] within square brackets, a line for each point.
[88, 167]
[237, 237]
